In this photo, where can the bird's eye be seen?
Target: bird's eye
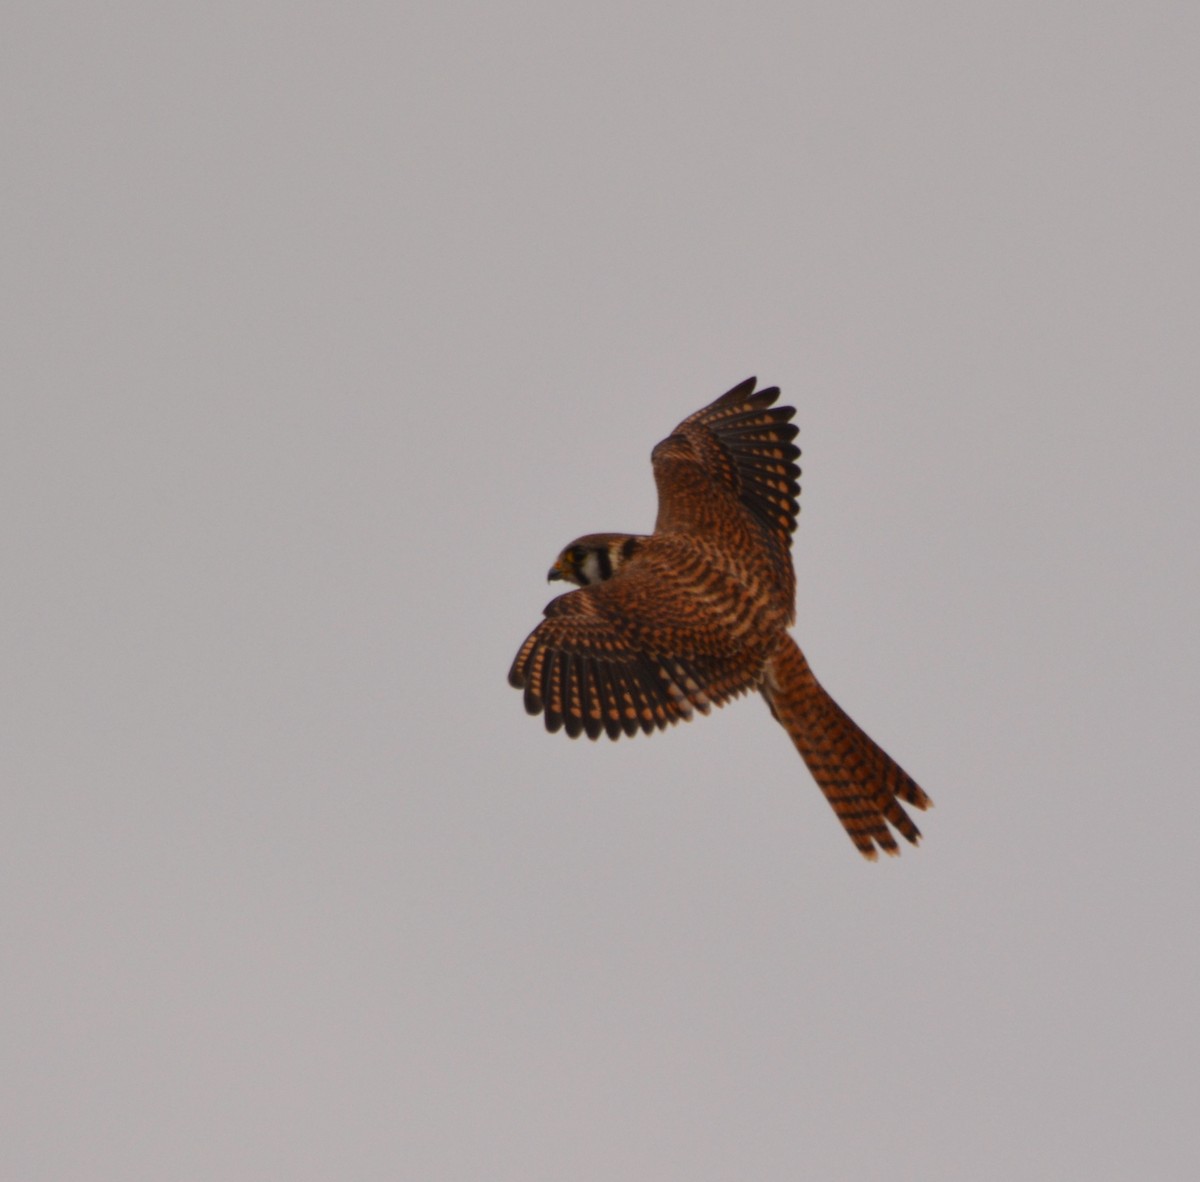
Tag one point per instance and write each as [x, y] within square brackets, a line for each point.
[575, 554]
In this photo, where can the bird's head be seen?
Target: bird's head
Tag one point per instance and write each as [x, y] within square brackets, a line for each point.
[594, 558]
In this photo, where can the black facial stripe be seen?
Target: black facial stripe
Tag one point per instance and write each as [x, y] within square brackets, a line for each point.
[605, 563]
[628, 547]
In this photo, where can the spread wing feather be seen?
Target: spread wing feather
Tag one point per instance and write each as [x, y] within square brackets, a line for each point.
[744, 442]
[587, 672]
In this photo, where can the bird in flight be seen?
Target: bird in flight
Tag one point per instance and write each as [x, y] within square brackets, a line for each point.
[698, 612]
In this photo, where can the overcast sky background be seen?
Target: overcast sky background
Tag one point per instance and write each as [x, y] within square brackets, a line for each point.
[326, 326]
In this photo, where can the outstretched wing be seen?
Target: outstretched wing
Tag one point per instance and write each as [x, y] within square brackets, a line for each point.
[591, 665]
[739, 444]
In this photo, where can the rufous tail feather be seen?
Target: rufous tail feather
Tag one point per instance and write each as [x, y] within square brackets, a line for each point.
[860, 780]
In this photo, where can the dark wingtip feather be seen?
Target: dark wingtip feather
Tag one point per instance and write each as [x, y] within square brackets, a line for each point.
[766, 397]
[736, 394]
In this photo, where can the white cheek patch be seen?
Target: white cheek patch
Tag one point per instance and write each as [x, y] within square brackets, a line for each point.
[589, 569]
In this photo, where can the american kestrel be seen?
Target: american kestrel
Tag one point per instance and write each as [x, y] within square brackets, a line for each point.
[698, 612]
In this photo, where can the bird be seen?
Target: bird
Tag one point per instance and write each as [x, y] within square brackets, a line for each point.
[665, 624]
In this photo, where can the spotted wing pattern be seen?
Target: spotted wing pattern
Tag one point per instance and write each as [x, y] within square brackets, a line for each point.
[589, 668]
[744, 443]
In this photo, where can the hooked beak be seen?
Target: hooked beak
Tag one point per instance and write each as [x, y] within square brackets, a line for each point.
[555, 573]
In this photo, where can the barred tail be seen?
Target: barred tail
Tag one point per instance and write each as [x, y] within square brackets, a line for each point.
[860, 780]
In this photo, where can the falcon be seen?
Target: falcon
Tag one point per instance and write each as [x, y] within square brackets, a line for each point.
[696, 613]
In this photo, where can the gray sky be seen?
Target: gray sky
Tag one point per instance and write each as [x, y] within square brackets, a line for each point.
[326, 326]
